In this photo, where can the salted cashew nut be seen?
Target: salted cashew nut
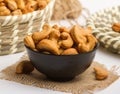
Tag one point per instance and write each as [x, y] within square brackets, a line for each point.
[11, 4]
[29, 42]
[64, 29]
[55, 26]
[20, 4]
[24, 67]
[42, 4]
[54, 35]
[48, 45]
[77, 34]
[4, 11]
[69, 51]
[87, 46]
[30, 7]
[1, 0]
[37, 36]
[2, 4]
[17, 12]
[100, 73]
[66, 40]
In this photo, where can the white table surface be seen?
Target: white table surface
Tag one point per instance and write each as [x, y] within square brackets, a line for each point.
[103, 56]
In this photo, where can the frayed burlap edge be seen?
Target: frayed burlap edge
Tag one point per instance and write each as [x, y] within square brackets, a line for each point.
[82, 83]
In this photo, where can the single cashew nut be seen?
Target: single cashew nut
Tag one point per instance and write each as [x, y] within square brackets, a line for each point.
[37, 36]
[55, 26]
[1, 0]
[69, 51]
[42, 4]
[89, 45]
[17, 12]
[24, 67]
[100, 73]
[77, 34]
[54, 35]
[20, 4]
[48, 45]
[2, 4]
[11, 4]
[4, 11]
[66, 41]
[64, 29]
[29, 42]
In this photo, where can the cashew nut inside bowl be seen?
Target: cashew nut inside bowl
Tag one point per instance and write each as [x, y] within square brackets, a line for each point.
[61, 40]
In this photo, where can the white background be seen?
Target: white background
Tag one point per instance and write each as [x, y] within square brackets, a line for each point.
[103, 56]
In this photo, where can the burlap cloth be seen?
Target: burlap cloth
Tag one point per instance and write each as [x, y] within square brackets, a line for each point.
[83, 82]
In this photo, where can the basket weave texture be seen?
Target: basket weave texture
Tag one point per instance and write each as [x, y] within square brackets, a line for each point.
[101, 22]
[14, 28]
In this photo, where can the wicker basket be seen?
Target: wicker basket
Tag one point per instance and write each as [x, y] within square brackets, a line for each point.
[14, 28]
[101, 22]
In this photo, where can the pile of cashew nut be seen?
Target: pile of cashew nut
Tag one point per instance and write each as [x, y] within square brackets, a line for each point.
[61, 40]
[19, 7]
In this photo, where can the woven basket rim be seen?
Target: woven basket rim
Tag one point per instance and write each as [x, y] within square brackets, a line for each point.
[37, 11]
[101, 24]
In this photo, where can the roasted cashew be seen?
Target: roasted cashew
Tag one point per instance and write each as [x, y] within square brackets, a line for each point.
[48, 45]
[37, 36]
[42, 4]
[33, 4]
[66, 40]
[69, 51]
[77, 34]
[2, 4]
[64, 29]
[55, 26]
[11, 4]
[4, 11]
[100, 73]
[54, 35]
[20, 4]
[29, 42]
[87, 46]
[1, 0]
[24, 67]
[17, 12]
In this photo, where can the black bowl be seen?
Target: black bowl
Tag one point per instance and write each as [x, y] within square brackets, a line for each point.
[63, 67]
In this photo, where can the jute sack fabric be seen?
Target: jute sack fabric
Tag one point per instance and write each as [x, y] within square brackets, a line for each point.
[66, 9]
[85, 82]
[14, 28]
[101, 23]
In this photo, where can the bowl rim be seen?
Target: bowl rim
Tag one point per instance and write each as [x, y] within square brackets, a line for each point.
[95, 48]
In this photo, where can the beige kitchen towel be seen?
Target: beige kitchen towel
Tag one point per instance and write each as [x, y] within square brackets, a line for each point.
[79, 85]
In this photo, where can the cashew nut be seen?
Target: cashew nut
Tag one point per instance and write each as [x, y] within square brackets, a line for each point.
[2, 4]
[37, 36]
[48, 45]
[89, 45]
[20, 4]
[4, 11]
[17, 12]
[55, 27]
[100, 73]
[54, 35]
[69, 51]
[77, 34]
[24, 67]
[1, 0]
[29, 42]
[64, 29]
[11, 4]
[42, 4]
[66, 41]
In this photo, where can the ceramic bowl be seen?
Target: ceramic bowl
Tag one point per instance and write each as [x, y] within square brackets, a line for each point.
[61, 67]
